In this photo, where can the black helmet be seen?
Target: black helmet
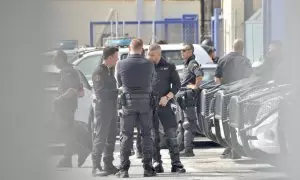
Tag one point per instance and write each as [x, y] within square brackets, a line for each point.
[207, 42]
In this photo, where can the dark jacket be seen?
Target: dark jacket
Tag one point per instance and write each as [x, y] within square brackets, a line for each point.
[135, 73]
[166, 78]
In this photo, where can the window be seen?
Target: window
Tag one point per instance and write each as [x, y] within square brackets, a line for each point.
[174, 56]
[88, 65]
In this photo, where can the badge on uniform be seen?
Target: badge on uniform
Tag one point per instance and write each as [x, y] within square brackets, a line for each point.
[96, 78]
[164, 68]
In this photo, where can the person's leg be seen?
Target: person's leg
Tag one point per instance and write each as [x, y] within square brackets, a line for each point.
[126, 141]
[169, 123]
[157, 164]
[189, 125]
[180, 130]
[103, 121]
[145, 123]
[108, 157]
[67, 121]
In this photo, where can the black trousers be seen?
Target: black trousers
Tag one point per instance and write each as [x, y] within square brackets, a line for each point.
[168, 120]
[139, 111]
[67, 129]
[106, 131]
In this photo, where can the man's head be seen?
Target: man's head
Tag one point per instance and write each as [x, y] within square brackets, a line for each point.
[238, 46]
[110, 56]
[154, 53]
[60, 59]
[187, 51]
[211, 51]
[136, 46]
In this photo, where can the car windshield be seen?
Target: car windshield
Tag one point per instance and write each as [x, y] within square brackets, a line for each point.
[88, 64]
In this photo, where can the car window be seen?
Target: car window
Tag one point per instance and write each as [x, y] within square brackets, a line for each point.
[174, 56]
[88, 65]
[84, 81]
[209, 75]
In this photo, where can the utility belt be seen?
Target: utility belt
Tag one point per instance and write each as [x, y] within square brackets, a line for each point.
[126, 99]
[187, 98]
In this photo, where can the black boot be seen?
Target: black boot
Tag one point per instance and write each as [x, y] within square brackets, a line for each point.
[65, 162]
[149, 171]
[187, 153]
[109, 170]
[226, 153]
[96, 169]
[178, 168]
[122, 174]
[158, 167]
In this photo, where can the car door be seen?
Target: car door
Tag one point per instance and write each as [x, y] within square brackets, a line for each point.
[84, 103]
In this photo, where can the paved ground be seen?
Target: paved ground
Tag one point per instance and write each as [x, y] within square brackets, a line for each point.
[206, 165]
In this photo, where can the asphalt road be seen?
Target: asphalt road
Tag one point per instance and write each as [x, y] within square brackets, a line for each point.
[206, 165]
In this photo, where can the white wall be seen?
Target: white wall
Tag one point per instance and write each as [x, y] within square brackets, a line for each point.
[73, 16]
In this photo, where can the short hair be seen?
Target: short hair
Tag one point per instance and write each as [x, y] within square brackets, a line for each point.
[154, 47]
[109, 51]
[136, 44]
[190, 46]
[238, 45]
[61, 56]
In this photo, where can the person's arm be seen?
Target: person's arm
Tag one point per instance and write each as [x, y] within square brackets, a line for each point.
[175, 81]
[219, 74]
[72, 79]
[196, 69]
[117, 76]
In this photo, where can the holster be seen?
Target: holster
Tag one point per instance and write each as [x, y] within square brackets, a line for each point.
[187, 98]
[121, 100]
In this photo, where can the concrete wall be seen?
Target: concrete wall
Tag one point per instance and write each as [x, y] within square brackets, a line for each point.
[73, 16]
[233, 13]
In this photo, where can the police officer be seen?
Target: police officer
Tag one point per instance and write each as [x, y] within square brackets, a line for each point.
[233, 67]
[165, 86]
[191, 80]
[65, 105]
[211, 51]
[134, 75]
[105, 88]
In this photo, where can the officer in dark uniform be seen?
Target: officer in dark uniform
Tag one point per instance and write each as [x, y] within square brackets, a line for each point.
[65, 105]
[105, 87]
[233, 67]
[191, 79]
[134, 76]
[165, 86]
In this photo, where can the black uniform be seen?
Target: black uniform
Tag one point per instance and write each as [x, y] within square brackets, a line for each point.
[166, 80]
[65, 109]
[233, 67]
[188, 127]
[105, 88]
[135, 75]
